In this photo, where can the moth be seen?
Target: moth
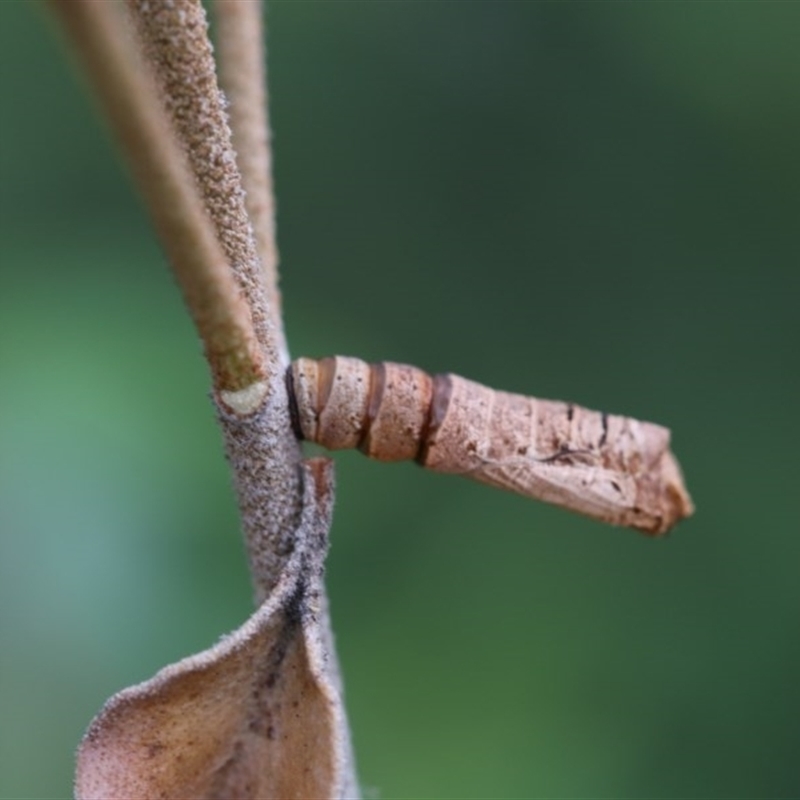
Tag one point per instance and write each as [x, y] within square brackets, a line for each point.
[612, 468]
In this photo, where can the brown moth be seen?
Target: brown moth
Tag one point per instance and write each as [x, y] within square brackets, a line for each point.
[612, 468]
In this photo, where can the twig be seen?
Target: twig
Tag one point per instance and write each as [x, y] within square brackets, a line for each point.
[251, 393]
[278, 727]
[174, 38]
[129, 99]
[242, 71]
[261, 448]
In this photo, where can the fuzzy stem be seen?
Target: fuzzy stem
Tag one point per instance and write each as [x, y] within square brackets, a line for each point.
[174, 38]
[263, 453]
[129, 99]
[242, 71]
[227, 304]
[210, 242]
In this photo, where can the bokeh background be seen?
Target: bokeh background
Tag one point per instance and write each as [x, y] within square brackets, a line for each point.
[588, 201]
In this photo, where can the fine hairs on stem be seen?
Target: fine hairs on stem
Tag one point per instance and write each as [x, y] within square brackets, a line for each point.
[263, 453]
[128, 97]
[242, 72]
[260, 714]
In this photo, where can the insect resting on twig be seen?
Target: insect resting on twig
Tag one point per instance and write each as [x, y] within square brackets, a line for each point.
[612, 468]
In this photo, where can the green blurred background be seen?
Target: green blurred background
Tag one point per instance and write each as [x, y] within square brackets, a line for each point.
[588, 201]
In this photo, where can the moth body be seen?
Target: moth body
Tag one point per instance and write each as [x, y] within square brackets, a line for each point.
[609, 467]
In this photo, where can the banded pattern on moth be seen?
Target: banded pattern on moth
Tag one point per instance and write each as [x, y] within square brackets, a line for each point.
[613, 468]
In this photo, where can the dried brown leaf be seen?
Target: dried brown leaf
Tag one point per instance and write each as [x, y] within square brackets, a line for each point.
[259, 715]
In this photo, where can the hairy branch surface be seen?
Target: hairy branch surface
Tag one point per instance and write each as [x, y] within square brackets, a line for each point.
[128, 97]
[242, 71]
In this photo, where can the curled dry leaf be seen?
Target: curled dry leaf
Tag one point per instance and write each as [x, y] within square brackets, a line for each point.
[259, 715]
[615, 469]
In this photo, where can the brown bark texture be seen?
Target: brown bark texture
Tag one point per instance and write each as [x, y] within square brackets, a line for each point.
[243, 76]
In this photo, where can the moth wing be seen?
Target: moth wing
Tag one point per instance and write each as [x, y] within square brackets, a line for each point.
[588, 489]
